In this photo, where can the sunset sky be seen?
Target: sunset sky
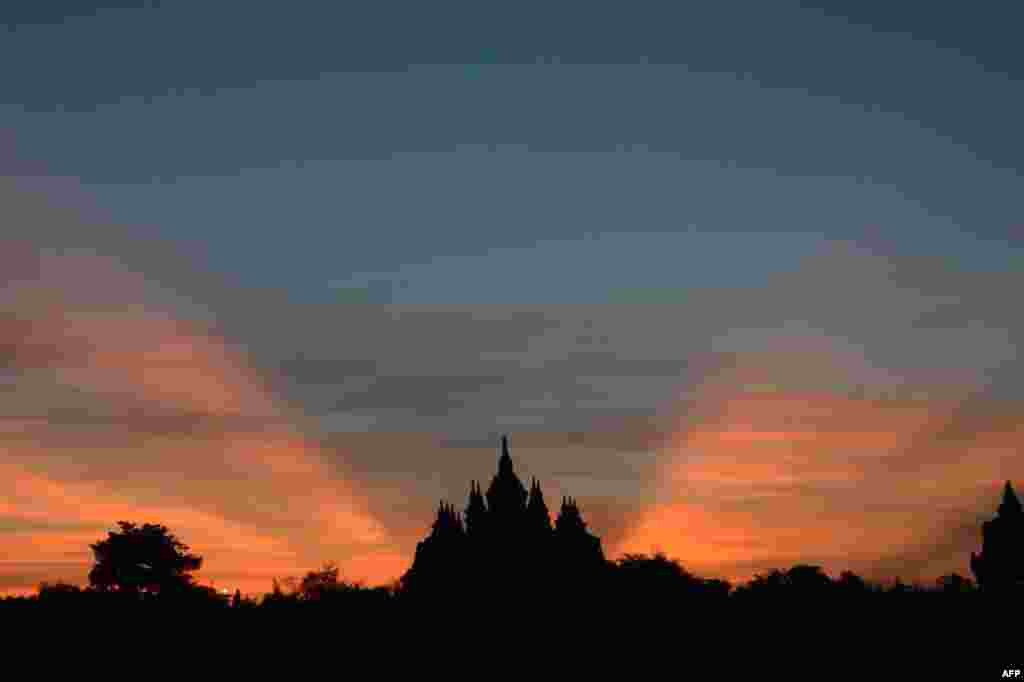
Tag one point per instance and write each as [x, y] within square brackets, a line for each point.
[741, 277]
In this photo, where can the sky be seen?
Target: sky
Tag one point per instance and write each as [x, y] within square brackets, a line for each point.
[738, 276]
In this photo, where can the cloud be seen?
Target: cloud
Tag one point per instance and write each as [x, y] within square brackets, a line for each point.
[841, 414]
[51, 523]
[120, 411]
[828, 415]
[759, 478]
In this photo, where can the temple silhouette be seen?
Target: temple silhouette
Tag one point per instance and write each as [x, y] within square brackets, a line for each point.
[1000, 565]
[504, 538]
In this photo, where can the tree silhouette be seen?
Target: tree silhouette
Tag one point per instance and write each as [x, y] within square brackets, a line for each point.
[642, 579]
[808, 580]
[954, 583]
[851, 583]
[142, 559]
[802, 584]
[764, 585]
[58, 593]
[322, 584]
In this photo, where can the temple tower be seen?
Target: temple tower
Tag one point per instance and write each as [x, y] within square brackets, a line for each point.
[1001, 562]
[476, 511]
[537, 518]
[506, 496]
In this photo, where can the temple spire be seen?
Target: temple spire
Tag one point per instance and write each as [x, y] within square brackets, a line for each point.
[505, 460]
[506, 494]
[476, 510]
[1011, 505]
[537, 509]
[569, 519]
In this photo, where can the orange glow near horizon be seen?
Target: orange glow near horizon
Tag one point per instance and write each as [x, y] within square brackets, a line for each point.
[255, 498]
[124, 413]
[760, 479]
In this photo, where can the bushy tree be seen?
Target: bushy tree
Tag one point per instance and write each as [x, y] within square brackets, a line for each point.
[658, 578]
[142, 559]
[954, 583]
[852, 584]
[318, 585]
[59, 593]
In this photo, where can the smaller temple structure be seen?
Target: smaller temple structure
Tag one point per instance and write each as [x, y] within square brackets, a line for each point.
[1000, 565]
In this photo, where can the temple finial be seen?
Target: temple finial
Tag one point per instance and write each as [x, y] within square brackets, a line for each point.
[1010, 505]
[505, 460]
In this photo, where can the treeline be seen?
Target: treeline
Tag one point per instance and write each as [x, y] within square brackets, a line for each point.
[593, 613]
[147, 569]
[634, 581]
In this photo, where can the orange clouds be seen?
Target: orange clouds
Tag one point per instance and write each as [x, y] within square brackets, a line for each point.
[755, 479]
[164, 362]
[61, 519]
[804, 451]
[142, 417]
